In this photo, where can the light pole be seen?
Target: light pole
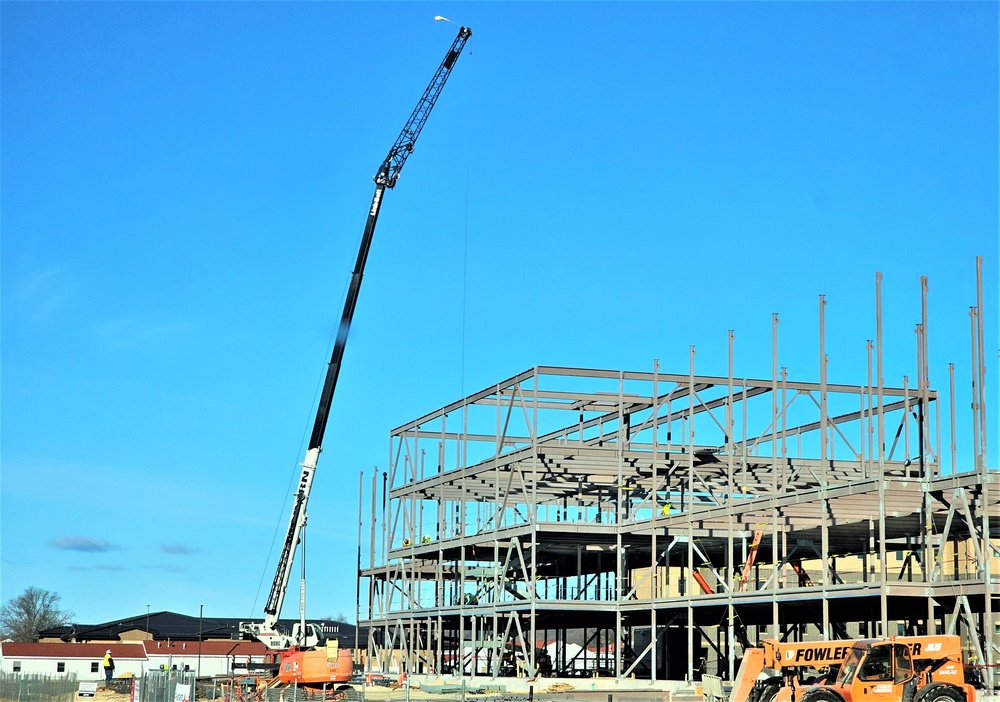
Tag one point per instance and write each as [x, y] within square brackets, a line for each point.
[197, 668]
[148, 637]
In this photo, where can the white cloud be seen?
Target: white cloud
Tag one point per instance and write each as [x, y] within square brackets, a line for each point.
[42, 293]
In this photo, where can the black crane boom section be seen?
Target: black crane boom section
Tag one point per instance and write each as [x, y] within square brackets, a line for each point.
[386, 177]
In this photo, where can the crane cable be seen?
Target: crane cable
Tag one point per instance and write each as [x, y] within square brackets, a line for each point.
[293, 477]
[465, 239]
[296, 471]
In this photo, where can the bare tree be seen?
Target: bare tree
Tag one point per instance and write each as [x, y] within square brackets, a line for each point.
[34, 610]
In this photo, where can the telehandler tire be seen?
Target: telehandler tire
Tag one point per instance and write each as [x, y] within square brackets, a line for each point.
[765, 690]
[939, 692]
[820, 694]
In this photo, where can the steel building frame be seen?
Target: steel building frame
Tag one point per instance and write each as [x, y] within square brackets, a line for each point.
[665, 521]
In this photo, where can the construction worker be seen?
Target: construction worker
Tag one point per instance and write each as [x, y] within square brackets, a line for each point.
[109, 668]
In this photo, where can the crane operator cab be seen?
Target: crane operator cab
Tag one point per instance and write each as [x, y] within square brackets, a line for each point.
[313, 635]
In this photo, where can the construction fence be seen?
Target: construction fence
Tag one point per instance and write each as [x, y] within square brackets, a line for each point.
[167, 686]
[15, 687]
[543, 693]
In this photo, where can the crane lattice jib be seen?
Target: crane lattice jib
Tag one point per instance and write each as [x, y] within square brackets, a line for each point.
[389, 172]
[277, 596]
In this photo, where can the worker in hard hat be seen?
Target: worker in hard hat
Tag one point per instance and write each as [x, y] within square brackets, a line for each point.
[109, 668]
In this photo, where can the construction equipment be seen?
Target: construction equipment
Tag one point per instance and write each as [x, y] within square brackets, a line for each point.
[895, 669]
[324, 664]
[751, 558]
[316, 666]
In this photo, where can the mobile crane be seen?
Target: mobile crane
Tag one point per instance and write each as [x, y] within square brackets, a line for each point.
[297, 663]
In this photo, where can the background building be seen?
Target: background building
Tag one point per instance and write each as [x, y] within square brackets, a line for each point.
[154, 641]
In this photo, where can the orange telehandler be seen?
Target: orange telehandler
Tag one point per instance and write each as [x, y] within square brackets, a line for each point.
[896, 669]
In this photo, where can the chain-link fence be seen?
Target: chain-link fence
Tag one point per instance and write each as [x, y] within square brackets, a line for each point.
[361, 694]
[166, 686]
[559, 692]
[305, 694]
[15, 687]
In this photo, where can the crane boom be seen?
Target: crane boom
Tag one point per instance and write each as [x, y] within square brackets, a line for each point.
[386, 177]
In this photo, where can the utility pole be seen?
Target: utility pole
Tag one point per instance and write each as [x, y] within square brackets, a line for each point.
[197, 668]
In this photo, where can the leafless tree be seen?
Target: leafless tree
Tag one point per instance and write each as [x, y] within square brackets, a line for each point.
[34, 610]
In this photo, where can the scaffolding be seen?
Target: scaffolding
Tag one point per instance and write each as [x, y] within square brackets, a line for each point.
[572, 521]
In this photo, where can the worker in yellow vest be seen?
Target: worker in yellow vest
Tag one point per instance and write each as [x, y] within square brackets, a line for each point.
[109, 667]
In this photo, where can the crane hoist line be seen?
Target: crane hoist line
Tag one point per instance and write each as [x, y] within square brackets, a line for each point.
[385, 177]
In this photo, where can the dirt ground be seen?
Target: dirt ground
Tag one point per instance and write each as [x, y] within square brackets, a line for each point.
[105, 694]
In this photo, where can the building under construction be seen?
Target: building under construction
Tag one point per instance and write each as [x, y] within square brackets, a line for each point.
[652, 525]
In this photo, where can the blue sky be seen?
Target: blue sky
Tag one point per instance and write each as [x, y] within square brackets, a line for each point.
[601, 184]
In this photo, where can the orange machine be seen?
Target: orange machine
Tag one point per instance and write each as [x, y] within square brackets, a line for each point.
[316, 666]
[896, 669]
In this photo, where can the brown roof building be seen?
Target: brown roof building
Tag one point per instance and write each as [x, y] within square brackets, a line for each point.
[84, 660]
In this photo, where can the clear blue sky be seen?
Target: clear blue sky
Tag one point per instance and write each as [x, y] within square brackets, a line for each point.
[184, 187]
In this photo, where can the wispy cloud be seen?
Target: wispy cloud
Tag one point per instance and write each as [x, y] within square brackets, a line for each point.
[44, 292]
[86, 544]
[113, 567]
[138, 332]
[165, 568]
[177, 549]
